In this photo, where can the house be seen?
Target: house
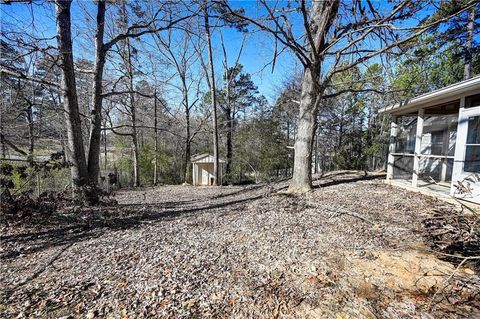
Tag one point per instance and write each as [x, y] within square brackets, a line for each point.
[202, 167]
[435, 141]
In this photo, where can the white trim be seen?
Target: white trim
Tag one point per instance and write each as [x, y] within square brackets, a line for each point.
[444, 95]
[391, 148]
[418, 147]
[205, 158]
[458, 174]
[424, 155]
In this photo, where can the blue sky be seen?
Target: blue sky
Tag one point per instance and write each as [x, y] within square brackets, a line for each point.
[39, 18]
[257, 52]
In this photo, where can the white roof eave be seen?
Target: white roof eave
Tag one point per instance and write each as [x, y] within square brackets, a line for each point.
[200, 158]
[444, 95]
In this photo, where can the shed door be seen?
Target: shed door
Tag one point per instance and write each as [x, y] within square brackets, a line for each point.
[204, 176]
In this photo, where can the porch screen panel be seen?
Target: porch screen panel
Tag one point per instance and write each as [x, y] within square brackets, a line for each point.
[472, 151]
[472, 101]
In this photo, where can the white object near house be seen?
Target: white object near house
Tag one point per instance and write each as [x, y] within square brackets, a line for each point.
[435, 140]
[202, 167]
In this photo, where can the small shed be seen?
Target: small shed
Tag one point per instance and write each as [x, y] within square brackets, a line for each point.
[202, 167]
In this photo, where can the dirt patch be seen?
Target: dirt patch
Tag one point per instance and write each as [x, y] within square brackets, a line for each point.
[410, 271]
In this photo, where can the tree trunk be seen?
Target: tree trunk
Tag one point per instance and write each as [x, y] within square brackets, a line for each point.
[316, 155]
[188, 139]
[229, 116]
[188, 143]
[340, 131]
[59, 112]
[467, 73]
[322, 16]
[95, 132]
[4, 146]
[133, 111]
[228, 113]
[105, 147]
[213, 96]
[70, 100]
[127, 59]
[302, 167]
[155, 169]
[136, 167]
[31, 134]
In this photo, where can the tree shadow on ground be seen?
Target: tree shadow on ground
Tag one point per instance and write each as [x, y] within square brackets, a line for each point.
[60, 230]
[69, 231]
[239, 192]
[319, 183]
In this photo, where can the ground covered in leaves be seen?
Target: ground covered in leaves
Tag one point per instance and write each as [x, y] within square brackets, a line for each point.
[352, 248]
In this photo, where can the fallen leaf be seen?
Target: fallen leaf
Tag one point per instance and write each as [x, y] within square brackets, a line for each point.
[189, 303]
[469, 271]
[123, 314]
[312, 280]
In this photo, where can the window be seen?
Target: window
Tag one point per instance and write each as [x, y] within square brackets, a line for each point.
[472, 151]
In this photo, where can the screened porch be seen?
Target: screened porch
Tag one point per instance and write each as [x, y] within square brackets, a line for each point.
[435, 141]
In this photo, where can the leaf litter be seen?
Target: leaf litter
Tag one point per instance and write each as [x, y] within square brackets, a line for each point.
[352, 248]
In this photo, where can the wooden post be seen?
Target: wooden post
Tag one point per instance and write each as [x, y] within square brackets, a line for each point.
[462, 131]
[391, 148]
[418, 147]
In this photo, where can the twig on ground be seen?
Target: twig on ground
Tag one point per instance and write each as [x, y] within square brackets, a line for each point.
[445, 282]
[339, 212]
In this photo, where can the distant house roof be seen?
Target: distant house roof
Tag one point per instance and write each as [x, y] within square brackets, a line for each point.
[204, 158]
[444, 95]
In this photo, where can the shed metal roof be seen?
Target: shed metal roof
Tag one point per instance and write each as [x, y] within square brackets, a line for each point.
[204, 158]
[441, 96]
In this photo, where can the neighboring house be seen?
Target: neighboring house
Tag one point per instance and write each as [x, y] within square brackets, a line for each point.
[435, 140]
[202, 166]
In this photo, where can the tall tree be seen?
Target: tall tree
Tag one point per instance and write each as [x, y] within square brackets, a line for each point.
[213, 92]
[70, 101]
[239, 94]
[134, 30]
[220, 11]
[178, 53]
[228, 107]
[126, 53]
[97, 99]
[467, 73]
[339, 36]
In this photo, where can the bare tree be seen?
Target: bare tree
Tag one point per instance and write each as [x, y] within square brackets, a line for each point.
[126, 53]
[155, 123]
[70, 102]
[338, 36]
[211, 84]
[179, 54]
[228, 108]
[135, 30]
